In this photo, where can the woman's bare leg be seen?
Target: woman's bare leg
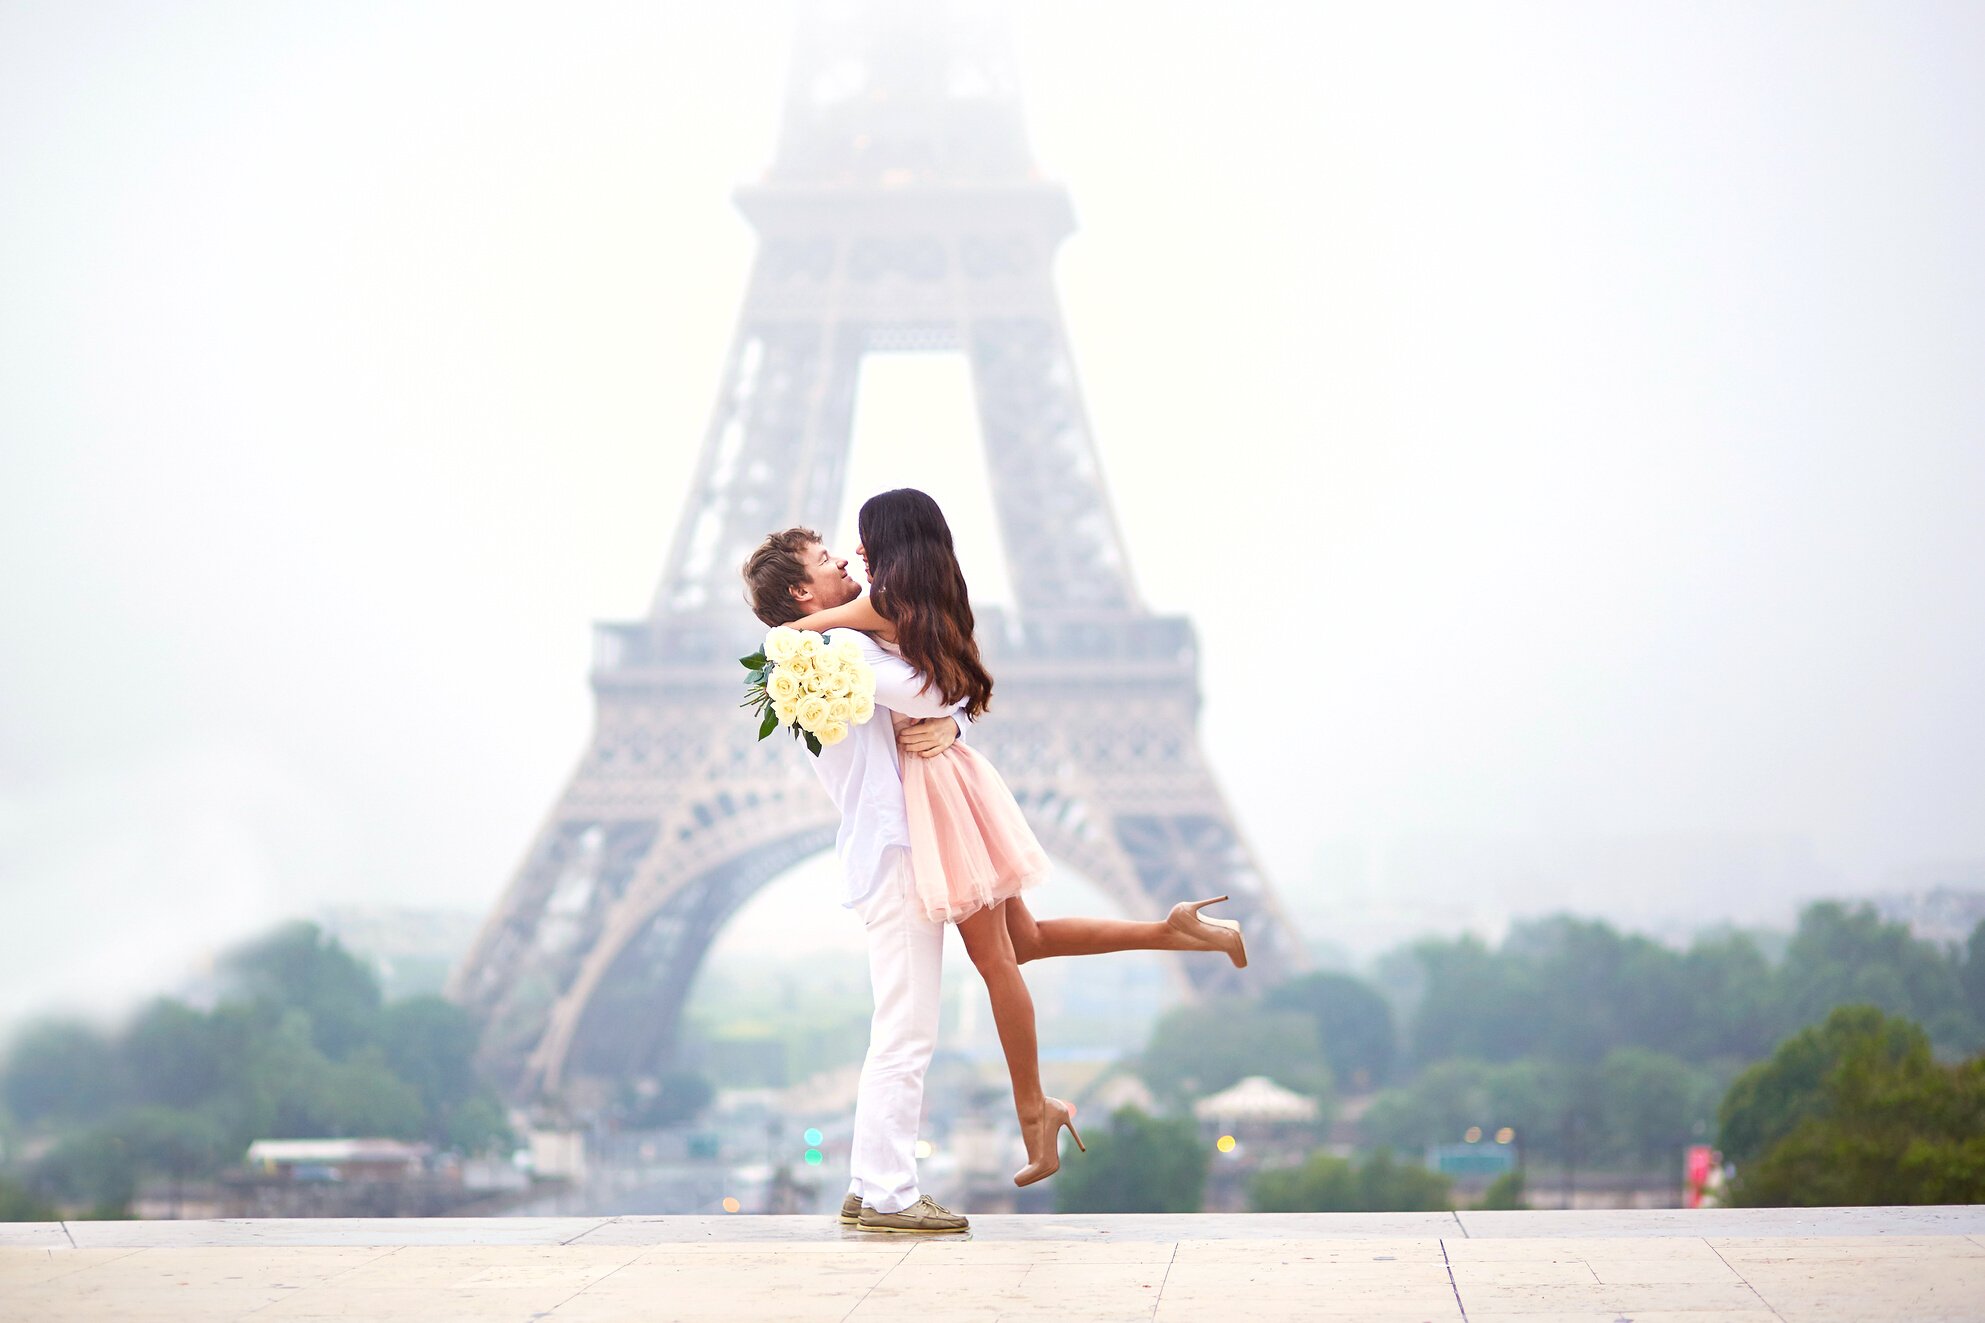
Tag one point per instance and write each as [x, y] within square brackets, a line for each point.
[1037, 939]
[991, 949]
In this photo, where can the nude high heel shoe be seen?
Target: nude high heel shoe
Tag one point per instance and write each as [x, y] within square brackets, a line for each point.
[1218, 934]
[1044, 1144]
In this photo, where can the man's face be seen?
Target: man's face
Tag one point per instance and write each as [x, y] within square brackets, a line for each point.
[827, 580]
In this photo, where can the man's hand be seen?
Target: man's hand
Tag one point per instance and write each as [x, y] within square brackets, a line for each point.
[927, 738]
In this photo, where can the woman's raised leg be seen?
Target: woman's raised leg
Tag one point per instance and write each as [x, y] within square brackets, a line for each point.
[1037, 939]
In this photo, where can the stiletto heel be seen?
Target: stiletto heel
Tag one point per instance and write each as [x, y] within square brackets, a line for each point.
[1217, 934]
[1044, 1146]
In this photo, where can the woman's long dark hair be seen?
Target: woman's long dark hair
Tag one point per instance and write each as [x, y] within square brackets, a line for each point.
[916, 584]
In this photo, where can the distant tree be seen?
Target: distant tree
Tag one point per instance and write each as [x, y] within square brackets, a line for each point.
[1572, 990]
[1326, 1184]
[294, 1091]
[61, 1069]
[1135, 1164]
[298, 967]
[1597, 989]
[174, 1142]
[1474, 1004]
[1353, 1023]
[93, 1169]
[1204, 1047]
[1651, 1105]
[1972, 974]
[431, 1044]
[348, 1099]
[1852, 956]
[1730, 995]
[1770, 1100]
[18, 1203]
[478, 1125]
[1448, 1097]
[301, 1047]
[1855, 1112]
[1505, 1192]
[173, 1055]
[1440, 1103]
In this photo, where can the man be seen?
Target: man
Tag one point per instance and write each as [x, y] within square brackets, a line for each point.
[790, 575]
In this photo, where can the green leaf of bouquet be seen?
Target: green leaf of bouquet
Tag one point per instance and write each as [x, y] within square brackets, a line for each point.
[812, 744]
[755, 662]
[770, 724]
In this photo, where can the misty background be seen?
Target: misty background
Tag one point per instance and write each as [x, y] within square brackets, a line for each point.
[1561, 422]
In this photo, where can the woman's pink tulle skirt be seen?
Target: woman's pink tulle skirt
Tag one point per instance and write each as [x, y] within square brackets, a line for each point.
[970, 846]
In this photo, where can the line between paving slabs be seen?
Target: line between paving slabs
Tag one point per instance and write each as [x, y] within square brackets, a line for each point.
[1740, 1277]
[1451, 1284]
[72, 1239]
[1159, 1298]
[901, 1259]
[639, 1254]
[81, 1267]
[605, 1221]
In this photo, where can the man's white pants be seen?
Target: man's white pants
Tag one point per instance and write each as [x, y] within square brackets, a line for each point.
[905, 956]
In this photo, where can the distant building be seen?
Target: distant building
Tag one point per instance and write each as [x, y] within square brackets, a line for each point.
[1256, 1123]
[343, 1178]
[339, 1159]
[1944, 915]
[410, 951]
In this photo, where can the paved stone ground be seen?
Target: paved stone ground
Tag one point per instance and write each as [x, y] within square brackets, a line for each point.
[1714, 1266]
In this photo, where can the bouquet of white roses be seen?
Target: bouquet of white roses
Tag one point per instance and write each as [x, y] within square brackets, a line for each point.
[818, 689]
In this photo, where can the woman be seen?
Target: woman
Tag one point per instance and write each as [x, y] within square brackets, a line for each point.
[971, 850]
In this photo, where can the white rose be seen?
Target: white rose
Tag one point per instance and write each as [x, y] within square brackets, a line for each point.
[787, 713]
[847, 650]
[831, 733]
[800, 663]
[784, 686]
[860, 708]
[811, 644]
[841, 710]
[812, 713]
[782, 643]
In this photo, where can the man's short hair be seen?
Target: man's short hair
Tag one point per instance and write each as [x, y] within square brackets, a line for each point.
[773, 571]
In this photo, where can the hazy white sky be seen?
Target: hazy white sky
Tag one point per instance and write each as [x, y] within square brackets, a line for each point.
[1585, 399]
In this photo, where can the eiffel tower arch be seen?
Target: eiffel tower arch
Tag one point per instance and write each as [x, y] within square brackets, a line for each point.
[903, 211]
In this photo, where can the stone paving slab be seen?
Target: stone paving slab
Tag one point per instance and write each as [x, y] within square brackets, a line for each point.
[46, 1235]
[1846, 1264]
[1942, 1219]
[337, 1231]
[1161, 1228]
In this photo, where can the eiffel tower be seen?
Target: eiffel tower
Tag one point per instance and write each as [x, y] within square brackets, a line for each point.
[903, 212]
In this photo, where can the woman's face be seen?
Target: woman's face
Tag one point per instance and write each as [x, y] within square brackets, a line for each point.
[861, 550]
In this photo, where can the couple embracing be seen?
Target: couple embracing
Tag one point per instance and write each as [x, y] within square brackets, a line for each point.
[931, 836]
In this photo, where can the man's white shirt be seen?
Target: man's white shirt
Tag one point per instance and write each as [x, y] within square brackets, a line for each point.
[864, 772]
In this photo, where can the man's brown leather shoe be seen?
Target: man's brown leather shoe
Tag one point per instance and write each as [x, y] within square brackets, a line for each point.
[925, 1217]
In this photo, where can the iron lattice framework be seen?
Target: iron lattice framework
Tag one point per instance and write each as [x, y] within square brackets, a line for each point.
[903, 212]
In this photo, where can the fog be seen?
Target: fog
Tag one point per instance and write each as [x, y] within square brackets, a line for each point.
[1562, 422]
